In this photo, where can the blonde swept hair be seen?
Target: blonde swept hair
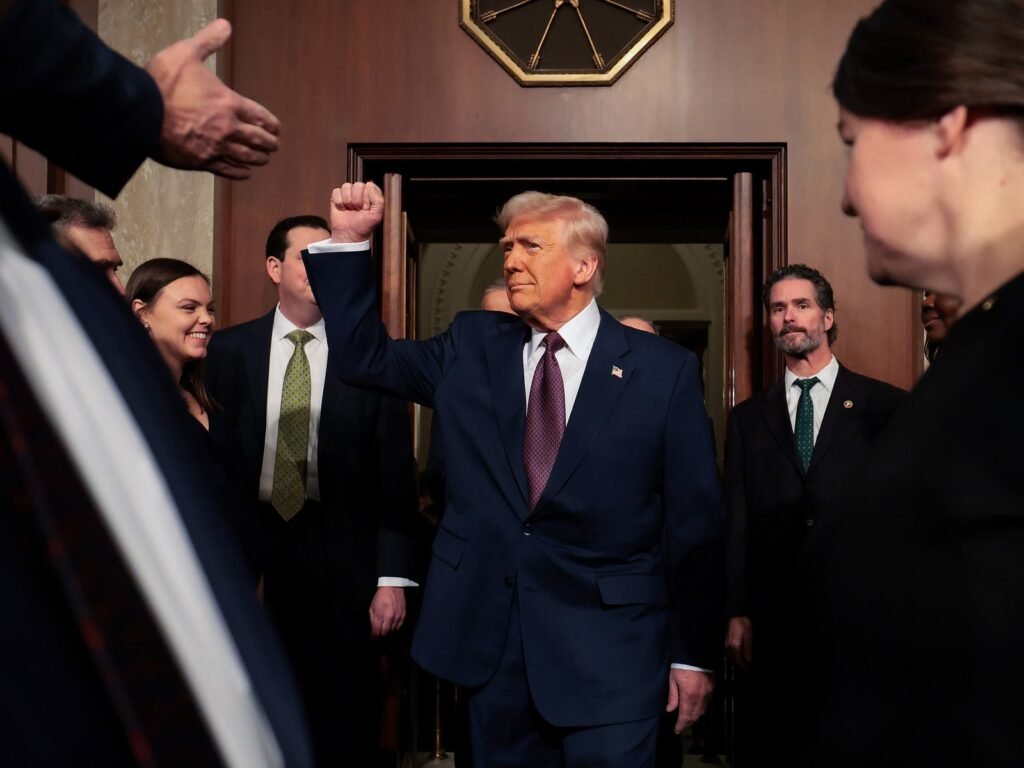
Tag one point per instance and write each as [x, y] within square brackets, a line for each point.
[585, 228]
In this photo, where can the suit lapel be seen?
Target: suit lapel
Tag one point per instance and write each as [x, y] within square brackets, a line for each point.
[599, 391]
[837, 415]
[257, 372]
[776, 414]
[505, 372]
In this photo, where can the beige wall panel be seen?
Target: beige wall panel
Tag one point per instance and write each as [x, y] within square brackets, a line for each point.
[161, 212]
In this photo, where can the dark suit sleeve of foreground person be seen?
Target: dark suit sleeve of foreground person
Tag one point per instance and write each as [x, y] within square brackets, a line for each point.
[73, 99]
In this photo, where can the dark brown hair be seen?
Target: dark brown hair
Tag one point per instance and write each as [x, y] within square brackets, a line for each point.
[145, 284]
[918, 59]
[277, 240]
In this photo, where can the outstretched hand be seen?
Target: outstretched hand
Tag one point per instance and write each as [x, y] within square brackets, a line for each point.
[207, 126]
[356, 210]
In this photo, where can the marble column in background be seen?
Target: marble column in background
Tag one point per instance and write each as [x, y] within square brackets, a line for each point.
[161, 212]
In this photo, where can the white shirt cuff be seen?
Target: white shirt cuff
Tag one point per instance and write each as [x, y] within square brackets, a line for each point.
[693, 669]
[329, 246]
[394, 581]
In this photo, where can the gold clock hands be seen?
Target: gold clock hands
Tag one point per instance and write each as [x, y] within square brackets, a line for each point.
[488, 16]
[536, 54]
[598, 61]
[642, 15]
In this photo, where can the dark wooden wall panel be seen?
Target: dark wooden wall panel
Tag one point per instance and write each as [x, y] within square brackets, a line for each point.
[353, 71]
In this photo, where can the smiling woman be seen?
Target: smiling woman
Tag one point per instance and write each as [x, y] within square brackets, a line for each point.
[173, 301]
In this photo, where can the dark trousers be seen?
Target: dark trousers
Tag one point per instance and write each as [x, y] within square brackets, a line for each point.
[507, 731]
[325, 630]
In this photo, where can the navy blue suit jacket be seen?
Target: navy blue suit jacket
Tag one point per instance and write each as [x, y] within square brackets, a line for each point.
[618, 570]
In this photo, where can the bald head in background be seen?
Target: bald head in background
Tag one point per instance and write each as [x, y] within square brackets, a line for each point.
[87, 226]
[495, 298]
[639, 323]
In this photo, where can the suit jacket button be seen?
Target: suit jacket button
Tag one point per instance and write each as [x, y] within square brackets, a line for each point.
[527, 529]
[510, 581]
[809, 523]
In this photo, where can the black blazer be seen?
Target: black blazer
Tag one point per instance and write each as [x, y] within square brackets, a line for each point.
[778, 516]
[927, 630]
[364, 456]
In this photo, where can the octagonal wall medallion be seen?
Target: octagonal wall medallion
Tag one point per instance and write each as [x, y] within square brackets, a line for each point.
[566, 42]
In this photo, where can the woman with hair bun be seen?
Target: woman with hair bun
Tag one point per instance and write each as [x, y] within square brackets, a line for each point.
[924, 661]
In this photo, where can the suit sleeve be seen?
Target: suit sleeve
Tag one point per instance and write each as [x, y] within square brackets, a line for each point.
[693, 528]
[736, 515]
[397, 473]
[70, 97]
[345, 288]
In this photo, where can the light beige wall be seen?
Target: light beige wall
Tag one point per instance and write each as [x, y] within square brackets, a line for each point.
[161, 212]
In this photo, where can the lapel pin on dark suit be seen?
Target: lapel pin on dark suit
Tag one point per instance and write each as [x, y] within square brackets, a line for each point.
[616, 372]
[847, 404]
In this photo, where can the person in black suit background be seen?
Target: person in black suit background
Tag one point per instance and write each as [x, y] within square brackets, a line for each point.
[126, 604]
[789, 460]
[339, 555]
[927, 637]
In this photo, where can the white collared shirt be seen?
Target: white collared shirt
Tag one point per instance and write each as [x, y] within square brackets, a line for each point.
[281, 350]
[579, 335]
[820, 393]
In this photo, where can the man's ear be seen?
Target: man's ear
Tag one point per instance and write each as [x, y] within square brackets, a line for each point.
[586, 269]
[830, 319]
[951, 129]
[274, 269]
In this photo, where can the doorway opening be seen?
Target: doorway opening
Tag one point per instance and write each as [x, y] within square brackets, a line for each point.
[694, 231]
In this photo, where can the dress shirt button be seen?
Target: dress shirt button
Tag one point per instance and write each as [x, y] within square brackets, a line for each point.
[809, 523]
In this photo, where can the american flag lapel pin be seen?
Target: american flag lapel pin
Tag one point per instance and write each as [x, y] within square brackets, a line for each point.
[616, 372]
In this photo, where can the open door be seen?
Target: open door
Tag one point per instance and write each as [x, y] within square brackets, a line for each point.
[742, 304]
[398, 264]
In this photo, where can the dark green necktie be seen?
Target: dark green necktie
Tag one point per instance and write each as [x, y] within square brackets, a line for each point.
[805, 421]
[289, 491]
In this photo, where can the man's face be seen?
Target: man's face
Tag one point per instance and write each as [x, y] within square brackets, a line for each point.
[799, 325]
[938, 313]
[98, 246]
[289, 273]
[540, 271]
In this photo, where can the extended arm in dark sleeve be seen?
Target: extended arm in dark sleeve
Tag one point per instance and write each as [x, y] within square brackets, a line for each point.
[70, 97]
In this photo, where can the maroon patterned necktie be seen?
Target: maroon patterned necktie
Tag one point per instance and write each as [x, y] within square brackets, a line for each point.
[545, 419]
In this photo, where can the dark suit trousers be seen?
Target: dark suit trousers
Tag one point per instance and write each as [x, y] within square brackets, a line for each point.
[326, 633]
[507, 731]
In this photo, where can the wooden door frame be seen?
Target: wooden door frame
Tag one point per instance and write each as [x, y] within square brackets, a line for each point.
[744, 375]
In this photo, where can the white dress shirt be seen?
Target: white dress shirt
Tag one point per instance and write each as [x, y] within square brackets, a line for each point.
[578, 335]
[820, 393]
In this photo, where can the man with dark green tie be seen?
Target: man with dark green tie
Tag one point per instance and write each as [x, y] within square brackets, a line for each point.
[790, 452]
